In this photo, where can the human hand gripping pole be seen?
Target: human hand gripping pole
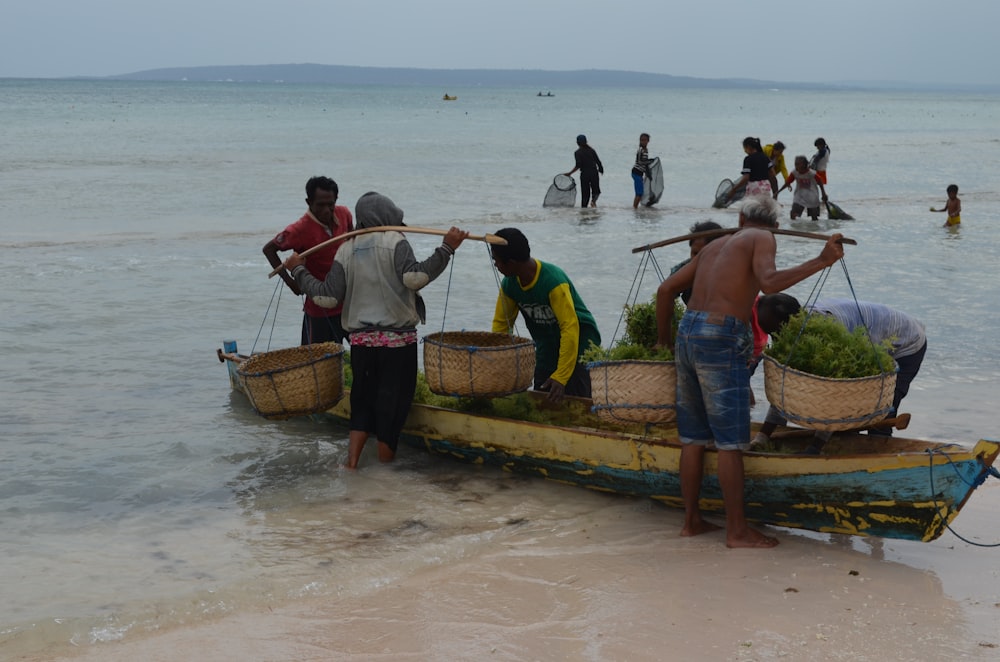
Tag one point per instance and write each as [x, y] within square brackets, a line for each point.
[488, 238]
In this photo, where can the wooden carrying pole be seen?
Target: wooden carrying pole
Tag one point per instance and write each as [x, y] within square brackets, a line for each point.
[488, 238]
[724, 231]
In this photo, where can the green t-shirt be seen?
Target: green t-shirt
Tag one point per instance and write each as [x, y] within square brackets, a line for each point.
[555, 315]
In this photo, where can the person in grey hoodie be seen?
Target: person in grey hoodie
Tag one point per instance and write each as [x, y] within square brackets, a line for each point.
[377, 278]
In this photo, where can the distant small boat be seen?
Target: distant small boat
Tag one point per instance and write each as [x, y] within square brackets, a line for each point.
[547, 94]
[448, 98]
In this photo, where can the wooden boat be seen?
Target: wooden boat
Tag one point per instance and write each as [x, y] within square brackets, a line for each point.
[893, 487]
[448, 98]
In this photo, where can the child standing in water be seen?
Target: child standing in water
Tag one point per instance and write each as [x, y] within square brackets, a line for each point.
[806, 197]
[640, 169]
[820, 158]
[953, 206]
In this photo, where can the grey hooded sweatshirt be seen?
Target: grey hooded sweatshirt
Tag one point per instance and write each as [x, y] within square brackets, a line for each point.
[376, 275]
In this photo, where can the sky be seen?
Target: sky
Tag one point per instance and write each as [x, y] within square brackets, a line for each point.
[919, 41]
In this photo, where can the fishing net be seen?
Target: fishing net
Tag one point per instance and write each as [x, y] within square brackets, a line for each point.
[725, 186]
[835, 213]
[652, 183]
[562, 192]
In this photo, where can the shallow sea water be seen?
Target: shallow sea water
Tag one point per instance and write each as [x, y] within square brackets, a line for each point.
[138, 493]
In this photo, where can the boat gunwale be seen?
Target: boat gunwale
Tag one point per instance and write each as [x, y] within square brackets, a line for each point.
[945, 448]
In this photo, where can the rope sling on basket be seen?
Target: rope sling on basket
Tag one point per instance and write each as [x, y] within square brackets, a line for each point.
[634, 390]
[826, 403]
[293, 381]
[477, 364]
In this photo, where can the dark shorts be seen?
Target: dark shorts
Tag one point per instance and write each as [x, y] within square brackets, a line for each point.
[385, 379]
[713, 380]
[317, 330]
[797, 210]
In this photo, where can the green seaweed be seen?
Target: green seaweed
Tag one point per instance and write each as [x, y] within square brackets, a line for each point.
[640, 337]
[821, 345]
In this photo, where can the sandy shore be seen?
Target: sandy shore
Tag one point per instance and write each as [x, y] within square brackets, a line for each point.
[627, 587]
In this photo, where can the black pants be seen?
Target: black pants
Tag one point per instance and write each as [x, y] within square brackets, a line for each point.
[385, 379]
[590, 186]
[578, 384]
[909, 366]
[317, 330]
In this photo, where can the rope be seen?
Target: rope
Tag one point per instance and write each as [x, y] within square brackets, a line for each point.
[811, 301]
[981, 478]
[470, 349]
[272, 302]
[633, 293]
[447, 292]
[509, 317]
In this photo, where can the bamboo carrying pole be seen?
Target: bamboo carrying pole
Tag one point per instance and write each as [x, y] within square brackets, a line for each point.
[724, 231]
[488, 238]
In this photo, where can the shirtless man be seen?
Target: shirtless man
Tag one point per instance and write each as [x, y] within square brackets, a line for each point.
[714, 342]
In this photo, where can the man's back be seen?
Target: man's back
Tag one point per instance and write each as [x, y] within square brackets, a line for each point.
[725, 281]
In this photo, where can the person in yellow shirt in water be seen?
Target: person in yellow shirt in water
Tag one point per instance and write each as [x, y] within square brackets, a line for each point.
[953, 206]
[776, 153]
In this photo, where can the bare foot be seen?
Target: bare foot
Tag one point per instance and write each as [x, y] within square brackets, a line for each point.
[752, 539]
[698, 528]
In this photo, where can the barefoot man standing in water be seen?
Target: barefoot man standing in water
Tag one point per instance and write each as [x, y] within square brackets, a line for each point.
[713, 346]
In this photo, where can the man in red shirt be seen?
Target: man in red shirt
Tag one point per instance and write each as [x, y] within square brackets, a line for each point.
[324, 219]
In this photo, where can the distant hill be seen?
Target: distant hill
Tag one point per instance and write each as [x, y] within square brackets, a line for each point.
[533, 78]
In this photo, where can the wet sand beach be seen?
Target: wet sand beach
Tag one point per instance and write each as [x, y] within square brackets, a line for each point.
[626, 586]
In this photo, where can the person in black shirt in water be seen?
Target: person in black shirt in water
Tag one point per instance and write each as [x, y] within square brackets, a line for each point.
[591, 168]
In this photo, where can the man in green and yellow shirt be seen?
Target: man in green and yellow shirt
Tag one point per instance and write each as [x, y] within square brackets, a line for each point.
[554, 313]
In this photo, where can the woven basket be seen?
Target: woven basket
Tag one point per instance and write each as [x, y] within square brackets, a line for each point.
[634, 391]
[821, 403]
[295, 381]
[478, 363]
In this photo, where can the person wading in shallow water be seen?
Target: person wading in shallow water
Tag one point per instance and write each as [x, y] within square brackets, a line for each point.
[591, 169]
[713, 346]
[377, 277]
[324, 219]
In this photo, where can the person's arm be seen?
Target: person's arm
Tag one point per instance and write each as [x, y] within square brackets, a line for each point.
[788, 184]
[328, 292]
[780, 165]
[271, 253]
[737, 186]
[561, 301]
[416, 275]
[771, 177]
[772, 280]
[666, 293]
[600, 166]
[822, 189]
[505, 314]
